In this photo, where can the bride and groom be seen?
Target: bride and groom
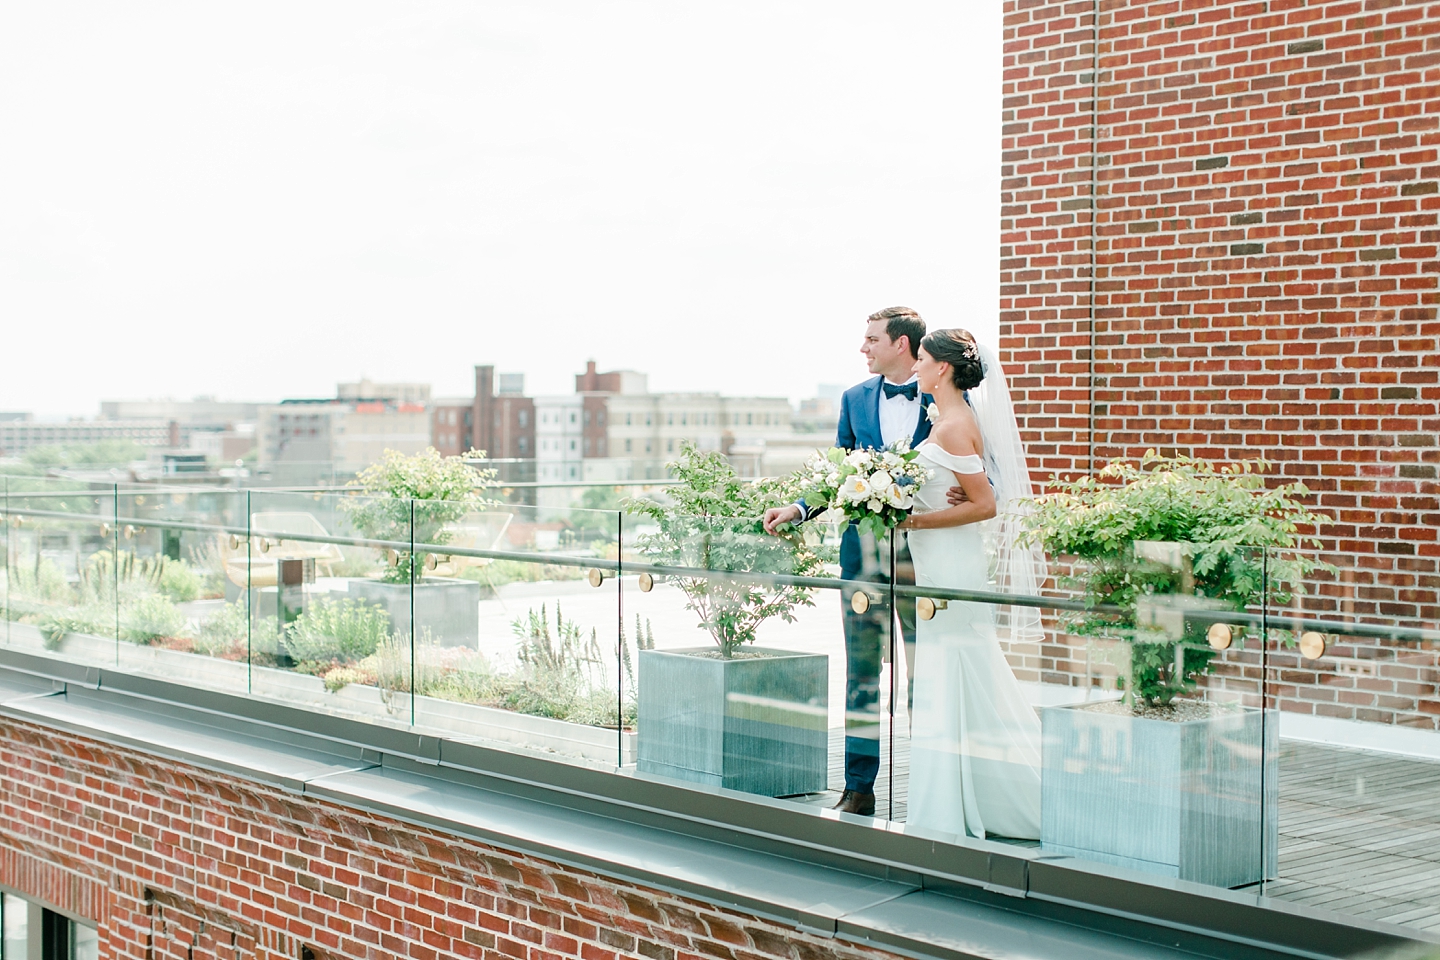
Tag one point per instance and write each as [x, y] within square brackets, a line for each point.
[975, 740]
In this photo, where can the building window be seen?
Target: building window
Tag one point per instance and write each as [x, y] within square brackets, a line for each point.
[627, 419]
[524, 418]
[670, 419]
[627, 446]
[572, 446]
[749, 418]
[587, 446]
[647, 446]
[647, 419]
[523, 445]
[670, 446]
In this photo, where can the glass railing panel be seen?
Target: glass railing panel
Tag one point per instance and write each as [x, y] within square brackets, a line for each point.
[327, 581]
[60, 582]
[1158, 766]
[517, 622]
[181, 617]
[739, 657]
[1351, 670]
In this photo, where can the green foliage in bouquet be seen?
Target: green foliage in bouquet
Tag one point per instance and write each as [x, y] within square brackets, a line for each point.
[1210, 537]
[714, 526]
[873, 488]
[425, 489]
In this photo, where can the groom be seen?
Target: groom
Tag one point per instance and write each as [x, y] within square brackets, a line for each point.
[873, 414]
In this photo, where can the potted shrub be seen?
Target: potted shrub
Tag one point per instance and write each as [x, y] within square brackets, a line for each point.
[731, 715]
[1163, 780]
[420, 496]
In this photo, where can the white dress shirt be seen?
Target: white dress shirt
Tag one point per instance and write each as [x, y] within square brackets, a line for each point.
[898, 416]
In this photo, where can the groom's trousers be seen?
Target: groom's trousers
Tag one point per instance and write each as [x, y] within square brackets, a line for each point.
[868, 642]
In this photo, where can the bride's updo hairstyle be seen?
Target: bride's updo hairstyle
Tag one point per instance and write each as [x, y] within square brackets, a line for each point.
[958, 348]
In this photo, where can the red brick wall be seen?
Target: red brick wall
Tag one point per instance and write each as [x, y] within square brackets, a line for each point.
[173, 861]
[1224, 243]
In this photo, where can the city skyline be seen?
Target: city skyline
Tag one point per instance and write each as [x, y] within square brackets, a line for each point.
[316, 194]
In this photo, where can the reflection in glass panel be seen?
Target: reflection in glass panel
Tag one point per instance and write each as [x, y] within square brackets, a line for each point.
[14, 926]
[86, 942]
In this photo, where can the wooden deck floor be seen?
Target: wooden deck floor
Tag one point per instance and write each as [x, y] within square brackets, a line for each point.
[1359, 831]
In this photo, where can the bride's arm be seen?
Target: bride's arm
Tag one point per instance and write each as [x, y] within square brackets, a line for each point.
[979, 505]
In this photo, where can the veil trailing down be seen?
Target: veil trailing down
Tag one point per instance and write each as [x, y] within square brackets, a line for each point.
[1018, 570]
[975, 739]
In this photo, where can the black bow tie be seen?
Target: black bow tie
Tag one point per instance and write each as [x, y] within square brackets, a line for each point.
[892, 390]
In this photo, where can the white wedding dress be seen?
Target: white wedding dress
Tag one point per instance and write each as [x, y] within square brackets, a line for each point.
[975, 740]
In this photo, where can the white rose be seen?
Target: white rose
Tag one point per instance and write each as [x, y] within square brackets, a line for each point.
[874, 506]
[880, 481]
[857, 458]
[854, 489]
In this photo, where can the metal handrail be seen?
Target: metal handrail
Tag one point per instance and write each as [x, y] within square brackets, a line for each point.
[621, 567]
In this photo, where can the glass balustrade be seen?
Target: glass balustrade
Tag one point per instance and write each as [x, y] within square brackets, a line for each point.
[1350, 670]
[1206, 713]
[735, 657]
[517, 628]
[60, 573]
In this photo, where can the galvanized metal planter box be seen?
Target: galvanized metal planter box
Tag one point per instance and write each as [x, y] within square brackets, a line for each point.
[449, 610]
[755, 723]
[1182, 799]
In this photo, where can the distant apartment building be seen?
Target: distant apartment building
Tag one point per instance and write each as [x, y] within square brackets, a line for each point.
[18, 437]
[504, 417]
[452, 425]
[223, 431]
[350, 431]
[626, 432]
[499, 419]
[559, 437]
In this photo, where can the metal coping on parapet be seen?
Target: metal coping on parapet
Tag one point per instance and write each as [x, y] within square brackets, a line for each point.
[1070, 891]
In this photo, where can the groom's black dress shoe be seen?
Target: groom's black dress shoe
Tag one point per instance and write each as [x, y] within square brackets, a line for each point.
[852, 801]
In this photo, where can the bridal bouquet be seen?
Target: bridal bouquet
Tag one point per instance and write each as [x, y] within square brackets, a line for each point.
[873, 488]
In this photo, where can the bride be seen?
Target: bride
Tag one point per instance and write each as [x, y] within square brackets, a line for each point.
[975, 740]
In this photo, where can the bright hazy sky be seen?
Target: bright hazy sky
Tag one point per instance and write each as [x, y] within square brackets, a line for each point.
[258, 200]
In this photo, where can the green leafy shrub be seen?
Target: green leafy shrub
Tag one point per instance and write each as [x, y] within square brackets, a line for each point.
[561, 673]
[714, 525]
[149, 618]
[344, 630]
[1203, 532]
[39, 580]
[179, 581]
[227, 633]
[426, 491]
[90, 619]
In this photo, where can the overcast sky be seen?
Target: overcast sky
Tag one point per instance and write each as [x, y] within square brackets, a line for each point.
[257, 200]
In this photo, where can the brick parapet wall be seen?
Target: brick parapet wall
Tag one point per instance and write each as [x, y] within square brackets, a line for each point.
[173, 861]
[1219, 237]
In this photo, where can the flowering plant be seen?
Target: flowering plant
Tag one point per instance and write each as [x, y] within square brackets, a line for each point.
[873, 488]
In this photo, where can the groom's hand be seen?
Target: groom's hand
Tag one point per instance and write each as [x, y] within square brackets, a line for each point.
[778, 515]
[956, 496]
